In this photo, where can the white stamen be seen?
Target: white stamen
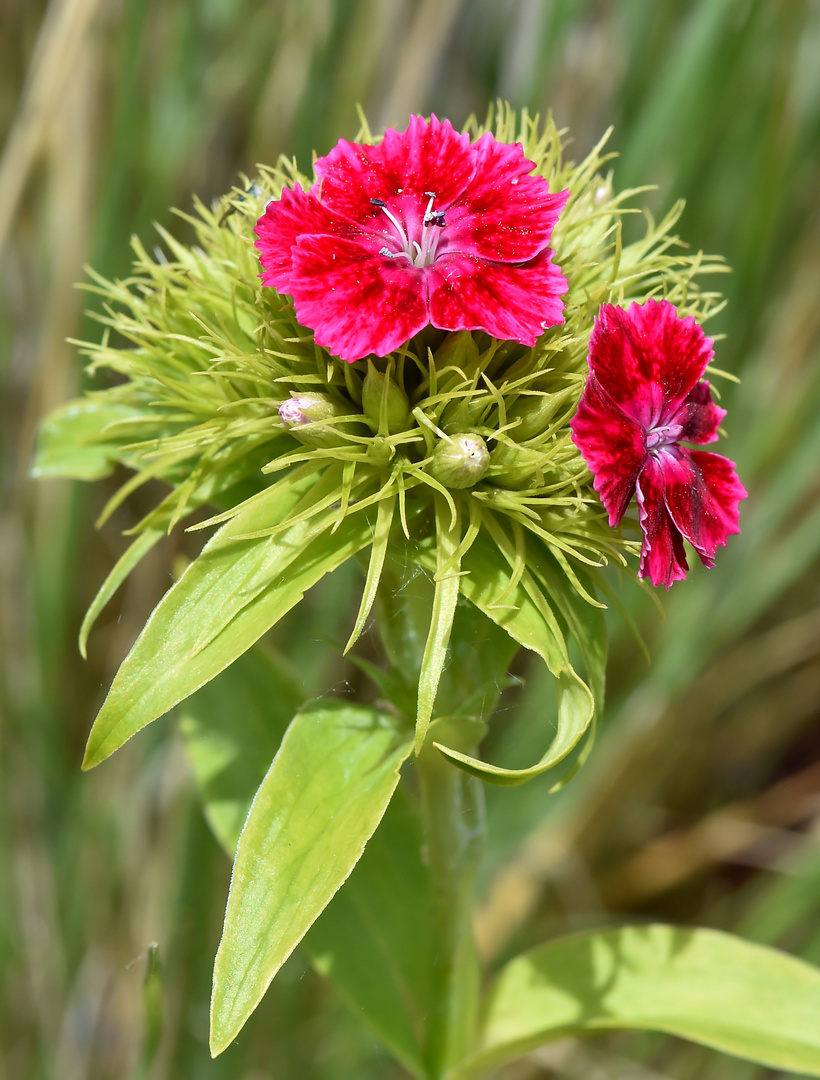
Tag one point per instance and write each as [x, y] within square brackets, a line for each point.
[400, 230]
[421, 253]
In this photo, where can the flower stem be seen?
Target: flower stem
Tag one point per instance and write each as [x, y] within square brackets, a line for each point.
[453, 805]
[453, 811]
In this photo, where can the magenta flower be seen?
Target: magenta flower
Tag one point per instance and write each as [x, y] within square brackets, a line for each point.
[643, 398]
[424, 227]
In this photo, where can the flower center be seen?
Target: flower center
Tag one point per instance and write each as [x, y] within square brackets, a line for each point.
[420, 250]
[662, 437]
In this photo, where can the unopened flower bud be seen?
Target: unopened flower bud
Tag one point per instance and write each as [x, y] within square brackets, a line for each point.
[304, 415]
[516, 467]
[460, 462]
[465, 413]
[458, 349]
[384, 401]
[534, 411]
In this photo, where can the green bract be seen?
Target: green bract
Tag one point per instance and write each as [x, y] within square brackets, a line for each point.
[507, 518]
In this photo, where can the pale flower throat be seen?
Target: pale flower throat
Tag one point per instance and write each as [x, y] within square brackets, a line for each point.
[421, 252]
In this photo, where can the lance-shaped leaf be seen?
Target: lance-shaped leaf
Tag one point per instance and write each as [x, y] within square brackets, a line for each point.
[81, 440]
[225, 480]
[584, 621]
[703, 985]
[372, 940]
[586, 624]
[232, 728]
[235, 591]
[381, 537]
[133, 554]
[445, 598]
[528, 618]
[319, 804]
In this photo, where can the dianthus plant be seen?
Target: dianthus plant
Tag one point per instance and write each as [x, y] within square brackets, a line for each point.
[437, 357]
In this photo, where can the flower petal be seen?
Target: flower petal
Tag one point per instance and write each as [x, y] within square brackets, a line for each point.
[504, 214]
[283, 222]
[702, 493]
[612, 445]
[426, 158]
[699, 417]
[516, 303]
[355, 300]
[647, 358]
[663, 559]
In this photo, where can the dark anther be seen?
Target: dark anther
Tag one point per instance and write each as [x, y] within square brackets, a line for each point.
[435, 217]
[379, 202]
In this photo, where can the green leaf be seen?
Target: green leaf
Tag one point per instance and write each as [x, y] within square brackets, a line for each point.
[587, 626]
[232, 729]
[529, 620]
[524, 613]
[703, 985]
[381, 537]
[585, 622]
[445, 598]
[234, 592]
[319, 804]
[226, 479]
[133, 554]
[575, 712]
[373, 939]
[478, 659]
[78, 441]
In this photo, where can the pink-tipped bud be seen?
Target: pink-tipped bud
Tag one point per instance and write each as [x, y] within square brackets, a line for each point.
[306, 416]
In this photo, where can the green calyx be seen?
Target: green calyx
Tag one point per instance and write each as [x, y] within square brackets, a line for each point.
[384, 401]
[452, 455]
[460, 461]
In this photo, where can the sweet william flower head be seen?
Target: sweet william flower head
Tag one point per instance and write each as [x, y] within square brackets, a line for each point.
[644, 398]
[451, 459]
[423, 228]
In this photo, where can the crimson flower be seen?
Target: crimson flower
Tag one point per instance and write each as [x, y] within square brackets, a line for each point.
[424, 227]
[643, 398]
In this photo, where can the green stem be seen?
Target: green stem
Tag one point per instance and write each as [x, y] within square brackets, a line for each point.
[454, 826]
[453, 807]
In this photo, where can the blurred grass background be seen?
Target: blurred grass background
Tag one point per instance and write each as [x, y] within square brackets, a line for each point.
[701, 802]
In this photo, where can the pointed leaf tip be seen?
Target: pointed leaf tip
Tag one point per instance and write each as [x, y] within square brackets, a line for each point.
[323, 796]
[232, 594]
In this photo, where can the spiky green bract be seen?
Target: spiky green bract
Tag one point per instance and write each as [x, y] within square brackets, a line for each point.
[206, 356]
